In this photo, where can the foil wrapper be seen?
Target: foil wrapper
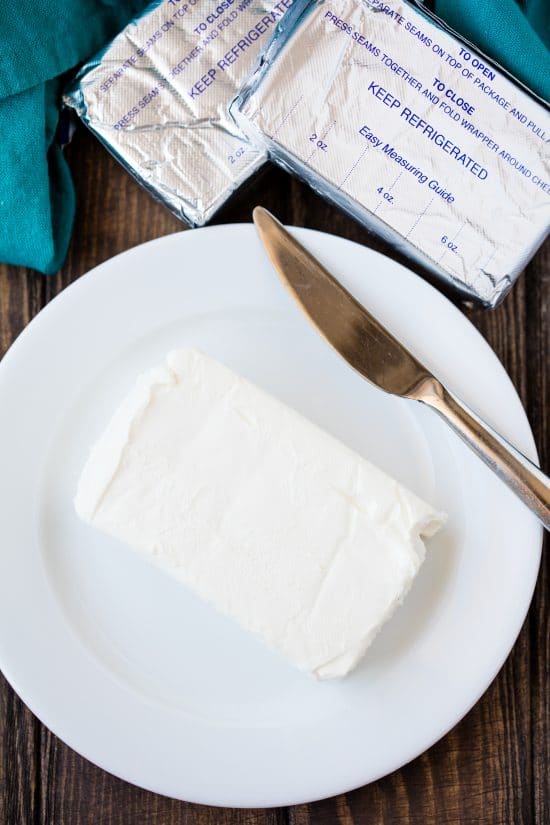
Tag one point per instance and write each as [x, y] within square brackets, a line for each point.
[405, 126]
[157, 97]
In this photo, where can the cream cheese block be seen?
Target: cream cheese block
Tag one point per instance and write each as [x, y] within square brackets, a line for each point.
[257, 510]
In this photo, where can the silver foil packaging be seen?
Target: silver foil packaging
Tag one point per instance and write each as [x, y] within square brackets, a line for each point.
[157, 97]
[412, 132]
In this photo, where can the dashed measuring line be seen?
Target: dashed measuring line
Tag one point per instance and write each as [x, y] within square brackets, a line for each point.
[417, 221]
[286, 117]
[355, 165]
[395, 181]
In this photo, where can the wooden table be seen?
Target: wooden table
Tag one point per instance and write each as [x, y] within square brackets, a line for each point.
[494, 766]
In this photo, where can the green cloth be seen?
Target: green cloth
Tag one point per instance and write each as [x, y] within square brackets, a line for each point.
[516, 38]
[42, 39]
[39, 41]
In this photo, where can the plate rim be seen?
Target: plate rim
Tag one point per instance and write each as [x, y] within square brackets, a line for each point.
[82, 282]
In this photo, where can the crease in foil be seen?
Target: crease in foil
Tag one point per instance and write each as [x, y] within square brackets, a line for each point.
[157, 98]
[329, 102]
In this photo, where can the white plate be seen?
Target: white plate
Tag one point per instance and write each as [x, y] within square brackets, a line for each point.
[138, 675]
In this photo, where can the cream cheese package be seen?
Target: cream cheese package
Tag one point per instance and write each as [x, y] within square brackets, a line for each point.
[412, 132]
[268, 518]
[157, 97]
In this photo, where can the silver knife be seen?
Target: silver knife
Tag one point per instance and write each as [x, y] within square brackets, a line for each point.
[380, 358]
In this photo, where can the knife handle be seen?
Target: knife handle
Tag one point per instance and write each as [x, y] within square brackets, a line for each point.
[527, 481]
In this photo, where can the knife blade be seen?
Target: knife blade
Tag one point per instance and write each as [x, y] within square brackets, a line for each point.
[347, 326]
[384, 361]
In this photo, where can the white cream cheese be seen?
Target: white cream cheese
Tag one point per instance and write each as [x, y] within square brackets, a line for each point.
[271, 520]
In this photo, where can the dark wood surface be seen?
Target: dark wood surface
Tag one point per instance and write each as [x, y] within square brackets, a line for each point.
[493, 768]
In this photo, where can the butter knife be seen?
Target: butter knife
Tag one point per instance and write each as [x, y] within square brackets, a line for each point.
[380, 358]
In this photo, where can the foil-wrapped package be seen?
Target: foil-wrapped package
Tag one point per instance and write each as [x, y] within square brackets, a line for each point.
[157, 97]
[412, 132]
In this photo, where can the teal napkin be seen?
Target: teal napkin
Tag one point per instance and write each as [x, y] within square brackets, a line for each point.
[39, 40]
[517, 37]
[42, 39]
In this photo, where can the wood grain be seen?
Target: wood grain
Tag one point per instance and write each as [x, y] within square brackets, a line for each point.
[493, 768]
